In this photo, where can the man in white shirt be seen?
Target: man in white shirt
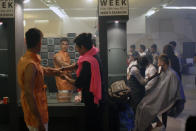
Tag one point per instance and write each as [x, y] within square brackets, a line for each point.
[142, 50]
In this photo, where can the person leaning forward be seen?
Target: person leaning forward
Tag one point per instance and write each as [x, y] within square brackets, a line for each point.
[31, 81]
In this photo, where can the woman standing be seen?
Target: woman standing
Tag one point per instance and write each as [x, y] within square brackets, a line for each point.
[89, 81]
[174, 61]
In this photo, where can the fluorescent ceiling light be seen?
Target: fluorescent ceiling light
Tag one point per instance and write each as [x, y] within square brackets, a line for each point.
[41, 21]
[49, 1]
[84, 18]
[90, 0]
[36, 9]
[55, 8]
[24, 22]
[58, 11]
[150, 13]
[180, 7]
[26, 1]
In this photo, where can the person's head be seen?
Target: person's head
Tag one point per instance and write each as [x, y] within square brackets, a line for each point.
[83, 43]
[153, 48]
[143, 62]
[142, 48]
[134, 56]
[163, 61]
[64, 44]
[33, 38]
[132, 48]
[173, 44]
[168, 50]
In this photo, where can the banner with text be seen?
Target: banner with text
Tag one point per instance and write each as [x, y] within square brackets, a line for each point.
[113, 7]
[7, 8]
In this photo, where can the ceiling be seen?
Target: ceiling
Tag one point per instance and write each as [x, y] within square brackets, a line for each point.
[84, 8]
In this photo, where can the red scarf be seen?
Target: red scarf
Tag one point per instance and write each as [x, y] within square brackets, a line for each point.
[95, 85]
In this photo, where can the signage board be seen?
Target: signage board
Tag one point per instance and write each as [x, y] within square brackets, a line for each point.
[7, 9]
[113, 7]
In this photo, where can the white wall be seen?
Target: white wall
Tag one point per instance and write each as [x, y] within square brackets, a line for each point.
[161, 30]
[136, 25]
[59, 28]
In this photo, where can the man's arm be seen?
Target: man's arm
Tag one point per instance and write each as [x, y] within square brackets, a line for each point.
[29, 85]
[51, 71]
[70, 80]
[70, 67]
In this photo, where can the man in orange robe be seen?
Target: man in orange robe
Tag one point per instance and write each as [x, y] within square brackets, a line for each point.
[31, 81]
[62, 59]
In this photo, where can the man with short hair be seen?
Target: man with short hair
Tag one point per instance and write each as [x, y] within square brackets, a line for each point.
[142, 50]
[31, 81]
[62, 59]
[131, 53]
[154, 54]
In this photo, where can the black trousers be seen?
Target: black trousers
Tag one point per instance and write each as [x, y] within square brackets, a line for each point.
[94, 117]
[164, 119]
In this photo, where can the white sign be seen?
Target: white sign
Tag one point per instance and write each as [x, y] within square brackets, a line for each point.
[113, 7]
[7, 8]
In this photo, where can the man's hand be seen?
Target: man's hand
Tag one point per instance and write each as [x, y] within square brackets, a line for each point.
[78, 98]
[70, 67]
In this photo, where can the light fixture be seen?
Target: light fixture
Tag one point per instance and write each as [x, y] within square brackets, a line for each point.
[58, 11]
[52, 4]
[90, 0]
[36, 9]
[1, 23]
[84, 18]
[180, 7]
[49, 1]
[116, 21]
[24, 22]
[41, 21]
[26, 1]
[151, 12]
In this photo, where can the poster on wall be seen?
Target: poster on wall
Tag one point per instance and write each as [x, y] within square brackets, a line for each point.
[57, 47]
[57, 41]
[71, 41]
[113, 7]
[50, 55]
[44, 55]
[71, 48]
[44, 48]
[72, 55]
[72, 61]
[7, 9]
[44, 62]
[50, 41]
[50, 48]
[71, 35]
[44, 41]
[50, 62]
[77, 55]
